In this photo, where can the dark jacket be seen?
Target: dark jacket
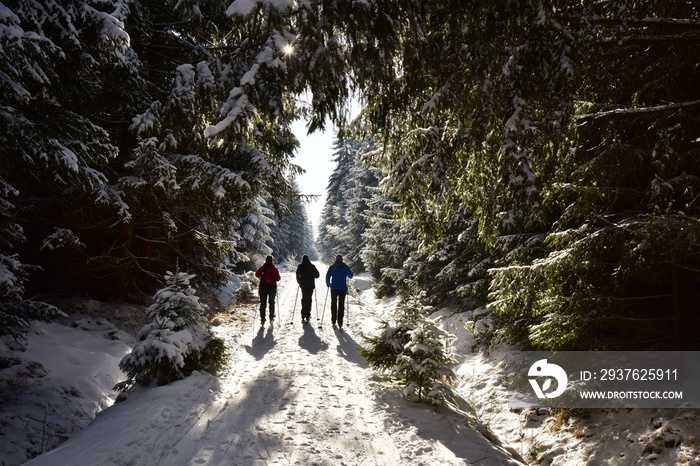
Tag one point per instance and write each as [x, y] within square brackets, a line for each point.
[337, 275]
[268, 275]
[307, 273]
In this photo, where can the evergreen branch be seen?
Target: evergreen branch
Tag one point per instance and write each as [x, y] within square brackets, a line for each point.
[685, 24]
[150, 240]
[660, 38]
[632, 112]
[640, 298]
[631, 319]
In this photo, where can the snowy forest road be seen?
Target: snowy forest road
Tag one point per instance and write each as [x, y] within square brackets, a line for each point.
[292, 395]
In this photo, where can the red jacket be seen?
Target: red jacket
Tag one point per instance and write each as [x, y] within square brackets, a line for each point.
[268, 275]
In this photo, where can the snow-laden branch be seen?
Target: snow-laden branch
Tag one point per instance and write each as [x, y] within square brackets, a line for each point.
[646, 22]
[636, 111]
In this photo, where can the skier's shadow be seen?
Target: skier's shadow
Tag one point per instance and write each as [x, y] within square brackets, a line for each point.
[263, 342]
[310, 341]
[347, 347]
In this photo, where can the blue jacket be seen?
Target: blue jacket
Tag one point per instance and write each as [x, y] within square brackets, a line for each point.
[337, 275]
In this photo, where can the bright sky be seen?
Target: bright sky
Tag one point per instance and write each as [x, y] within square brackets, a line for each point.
[315, 156]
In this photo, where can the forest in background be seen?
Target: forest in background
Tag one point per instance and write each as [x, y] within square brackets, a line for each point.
[540, 160]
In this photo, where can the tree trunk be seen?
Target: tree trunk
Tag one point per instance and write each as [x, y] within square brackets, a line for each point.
[677, 310]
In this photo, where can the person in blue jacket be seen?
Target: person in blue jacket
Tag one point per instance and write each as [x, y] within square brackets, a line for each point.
[336, 280]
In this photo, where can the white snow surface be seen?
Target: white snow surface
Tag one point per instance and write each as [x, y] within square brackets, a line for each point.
[245, 7]
[303, 395]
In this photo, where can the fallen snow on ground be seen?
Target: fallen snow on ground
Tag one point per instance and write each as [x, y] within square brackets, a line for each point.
[296, 394]
[601, 437]
[293, 394]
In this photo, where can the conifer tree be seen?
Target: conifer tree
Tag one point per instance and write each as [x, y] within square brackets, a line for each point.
[344, 220]
[142, 130]
[389, 241]
[414, 350]
[292, 235]
[577, 161]
[454, 269]
[383, 349]
[426, 366]
[55, 58]
[176, 341]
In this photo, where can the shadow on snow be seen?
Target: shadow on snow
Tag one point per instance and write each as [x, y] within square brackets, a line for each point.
[263, 342]
[311, 342]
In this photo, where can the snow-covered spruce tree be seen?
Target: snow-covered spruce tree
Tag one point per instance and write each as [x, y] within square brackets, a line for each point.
[454, 269]
[381, 351]
[217, 182]
[225, 125]
[254, 229]
[292, 234]
[332, 237]
[177, 340]
[450, 269]
[623, 259]
[343, 220]
[145, 130]
[69, 76]
[426, 365]
[359, 191]
[414, 351]
[54, 154]
[389, 241]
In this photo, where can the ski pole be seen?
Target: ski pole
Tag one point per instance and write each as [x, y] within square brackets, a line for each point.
[294, 308]
[324, 309]
[316, 301]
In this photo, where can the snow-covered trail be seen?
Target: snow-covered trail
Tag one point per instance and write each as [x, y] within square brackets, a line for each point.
[293, 398]
[293, 395]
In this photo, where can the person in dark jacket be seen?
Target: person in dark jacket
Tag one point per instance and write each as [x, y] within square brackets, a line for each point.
[269, 276]
[336, 280]
[307, 273]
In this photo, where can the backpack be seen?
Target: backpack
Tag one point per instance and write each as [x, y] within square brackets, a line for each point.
[267, 276]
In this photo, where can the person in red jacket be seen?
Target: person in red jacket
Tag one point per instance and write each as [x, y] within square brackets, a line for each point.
[269, 276]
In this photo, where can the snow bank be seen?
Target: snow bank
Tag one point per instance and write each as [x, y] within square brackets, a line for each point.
[540, 436]
[63, 379]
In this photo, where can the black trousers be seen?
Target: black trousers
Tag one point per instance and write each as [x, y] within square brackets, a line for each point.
[307, 294]
[267, 293]
[338, 306]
